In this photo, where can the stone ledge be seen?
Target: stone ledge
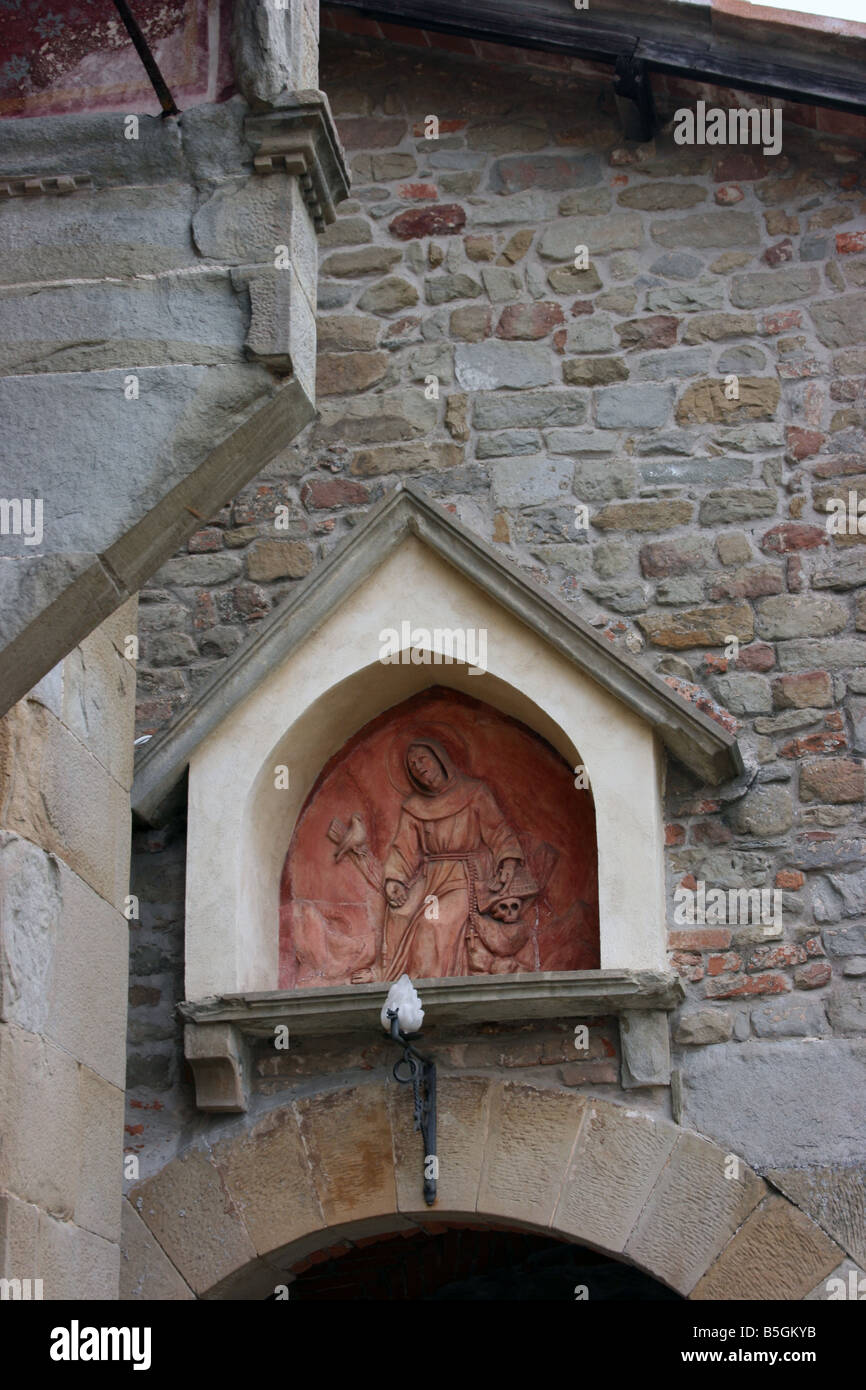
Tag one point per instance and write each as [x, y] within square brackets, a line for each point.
[217, 1029]
[470, 999]
[301, 138]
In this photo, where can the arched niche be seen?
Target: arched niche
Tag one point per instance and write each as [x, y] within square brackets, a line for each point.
[258, 734]
[297, 715]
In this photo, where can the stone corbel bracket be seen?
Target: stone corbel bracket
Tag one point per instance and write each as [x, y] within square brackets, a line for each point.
[301, 138]
[645, 1046]
[220, 1065]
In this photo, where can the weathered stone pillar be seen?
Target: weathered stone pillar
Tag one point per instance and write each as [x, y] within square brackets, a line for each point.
[182, 253]
[65, 773]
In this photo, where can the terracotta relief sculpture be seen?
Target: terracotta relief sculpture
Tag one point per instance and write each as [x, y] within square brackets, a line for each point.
[453, 853]
[459, 885]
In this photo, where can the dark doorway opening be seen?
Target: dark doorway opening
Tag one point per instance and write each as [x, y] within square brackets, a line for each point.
[470, 1264]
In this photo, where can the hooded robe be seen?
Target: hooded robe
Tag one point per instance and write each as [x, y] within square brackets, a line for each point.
[447, 841]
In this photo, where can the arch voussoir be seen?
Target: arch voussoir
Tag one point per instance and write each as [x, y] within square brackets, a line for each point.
[779, 1253]
[343, 1165]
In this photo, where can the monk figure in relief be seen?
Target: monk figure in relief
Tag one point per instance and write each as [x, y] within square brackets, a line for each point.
[453, 846]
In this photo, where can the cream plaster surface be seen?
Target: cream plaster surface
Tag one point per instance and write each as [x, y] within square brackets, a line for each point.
[304, 710]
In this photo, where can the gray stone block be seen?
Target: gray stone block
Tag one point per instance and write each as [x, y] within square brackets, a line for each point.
[528, 208]
[676, 267]
[677, 591]
[716, 229]
[486, 366]
[601, 480]
[814, 653]
[214, 145]
[846, 1008]
[494, 410]
[766, 811]
[274, 51]
[679, 362]
[31, 583]
[524, 482]
[843, 942]
[706, 294]
[841, 321]
[501, 283]
[196, 570]
[744, 693]
[190, 319]
[244, 220]
[779, 286]
[790, 1017]
[556, 171]
[737, 504]
[579, 442]
[800, 615]
[115, 231]
[633, 406]
[68, 429]
[743, 360]
[646, 1050]
[30, 902]
[720, 869]
[813, 248]
[668, 442]
[699, 1027]
[751, 438]
[94, 143]
[441, 289]
[594, 334]
[376, 419]
[780, 1104]
[619, 231]
[330, 296]
[659, 472]
[508, 443]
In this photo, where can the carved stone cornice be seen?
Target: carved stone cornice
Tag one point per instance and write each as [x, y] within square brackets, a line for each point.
[450, 1001]
[300, 138]
[37, 185]
[219, 1030]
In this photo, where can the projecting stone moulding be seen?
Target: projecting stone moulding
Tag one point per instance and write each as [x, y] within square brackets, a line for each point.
[31, 185]
[300, 138]
[218, 1030]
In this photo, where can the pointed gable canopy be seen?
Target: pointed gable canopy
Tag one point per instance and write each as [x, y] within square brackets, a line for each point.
[703, 745]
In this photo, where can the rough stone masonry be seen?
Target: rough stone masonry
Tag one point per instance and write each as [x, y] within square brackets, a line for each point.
[459, 346]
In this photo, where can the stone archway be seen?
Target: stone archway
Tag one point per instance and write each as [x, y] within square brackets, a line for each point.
[463, 1261]
[230, 1217]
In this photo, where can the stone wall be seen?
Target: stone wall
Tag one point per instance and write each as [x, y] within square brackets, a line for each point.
[65, 773]
[451, 270]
